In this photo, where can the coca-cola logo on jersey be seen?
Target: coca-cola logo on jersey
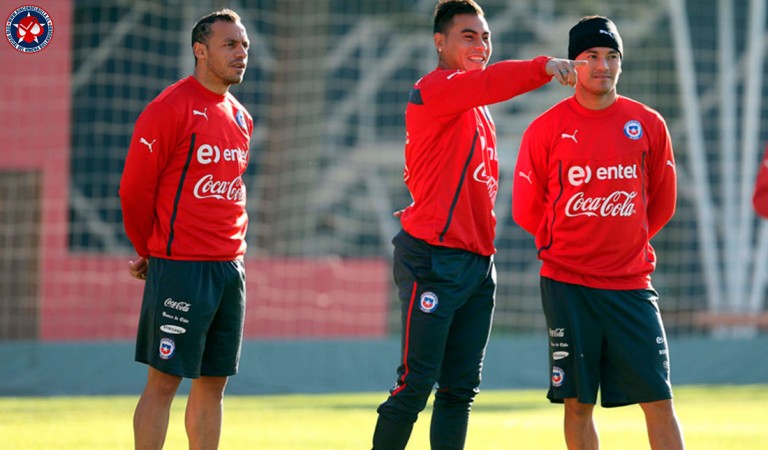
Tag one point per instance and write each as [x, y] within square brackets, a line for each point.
[481, 175]
[617, 204]
[232, 190]
[179, 306]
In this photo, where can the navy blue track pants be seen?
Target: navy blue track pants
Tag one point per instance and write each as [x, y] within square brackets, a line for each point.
[447, 297]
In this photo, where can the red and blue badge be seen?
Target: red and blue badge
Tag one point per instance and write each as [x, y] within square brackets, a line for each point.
[167, 347]
[558, 376]
[428, 302]
[29, 29]
[633, 130]
[240, 119]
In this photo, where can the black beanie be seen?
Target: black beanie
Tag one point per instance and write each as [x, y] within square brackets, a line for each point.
[593, 32]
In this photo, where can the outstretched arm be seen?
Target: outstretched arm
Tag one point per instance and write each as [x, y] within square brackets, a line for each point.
[452, 92]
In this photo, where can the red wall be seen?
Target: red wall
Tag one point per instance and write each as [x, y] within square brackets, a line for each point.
[287, 298]
[84, 297]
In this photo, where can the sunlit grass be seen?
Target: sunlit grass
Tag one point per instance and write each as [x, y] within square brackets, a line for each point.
[713, 418]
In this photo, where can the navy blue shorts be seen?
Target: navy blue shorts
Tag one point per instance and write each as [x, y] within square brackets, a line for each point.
[613, 340]
[191, 321]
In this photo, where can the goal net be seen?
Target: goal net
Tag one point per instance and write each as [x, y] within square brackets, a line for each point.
[327, 83]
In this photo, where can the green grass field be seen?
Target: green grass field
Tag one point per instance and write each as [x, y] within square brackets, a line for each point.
[713, 418]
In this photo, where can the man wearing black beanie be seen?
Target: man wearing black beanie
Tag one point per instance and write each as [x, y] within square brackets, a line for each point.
[595, 182]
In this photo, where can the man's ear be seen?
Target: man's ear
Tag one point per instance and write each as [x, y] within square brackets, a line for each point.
[200, 50]
[439, 41]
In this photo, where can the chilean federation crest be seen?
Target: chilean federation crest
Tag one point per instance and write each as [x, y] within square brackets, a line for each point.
[558, 376]
[428, 302]
[167, 347]
[240, 119]
[633, 130]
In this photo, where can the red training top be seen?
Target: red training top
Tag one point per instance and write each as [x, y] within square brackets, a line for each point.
[451, 165]
[760, 199]
[181, 192]
[593, 187]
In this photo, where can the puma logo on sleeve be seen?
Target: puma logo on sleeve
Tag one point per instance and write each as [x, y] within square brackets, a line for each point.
[148, 144]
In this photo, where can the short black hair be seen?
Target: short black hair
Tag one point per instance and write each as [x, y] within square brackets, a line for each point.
[202, 29]
[446, 9]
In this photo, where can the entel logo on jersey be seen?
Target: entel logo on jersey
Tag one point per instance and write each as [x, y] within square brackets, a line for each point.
[578, 175]
[29, 29]
[207, 154]
[618, 203]
[428, 302]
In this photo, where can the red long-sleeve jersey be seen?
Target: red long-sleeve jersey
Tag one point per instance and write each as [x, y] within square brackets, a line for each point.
[760, 198]
[181, 191]
[593, 187]
[451, 165]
